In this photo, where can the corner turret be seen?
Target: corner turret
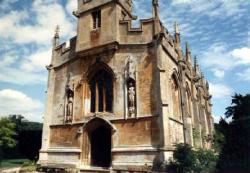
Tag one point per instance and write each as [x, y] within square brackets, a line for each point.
[155, 11]
[177, 40]
[177, 34]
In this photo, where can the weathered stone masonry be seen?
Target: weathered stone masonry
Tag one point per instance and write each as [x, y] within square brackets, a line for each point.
[119, 97]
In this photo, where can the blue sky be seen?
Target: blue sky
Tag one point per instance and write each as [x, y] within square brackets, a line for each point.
[218, 32]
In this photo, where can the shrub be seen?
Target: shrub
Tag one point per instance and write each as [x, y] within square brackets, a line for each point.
[183, 159]
[206, 161]
[187, 160]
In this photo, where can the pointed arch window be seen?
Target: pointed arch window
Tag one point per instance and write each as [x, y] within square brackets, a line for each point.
[176, 102]
[101, 89]
[188, 100]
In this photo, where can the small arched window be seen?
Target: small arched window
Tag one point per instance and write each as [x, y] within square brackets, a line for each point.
[188, 100]
[101, 88]
[175, 97]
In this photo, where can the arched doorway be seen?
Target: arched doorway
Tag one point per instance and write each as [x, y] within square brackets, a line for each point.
[97, 142]
[100, 140]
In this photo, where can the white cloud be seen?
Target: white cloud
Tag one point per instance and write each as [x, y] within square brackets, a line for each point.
[24, 70]
[71, 6]
[242, 54]
[217, 118]
[244, 75]
[219, 8]
[217, 56]
[220, 91]
[219, 59]
[20, 77]
[46, 14]
[16, 102]
[218, 73]
[20, 30]
[8, 59]
[181, 1]
[37, 61]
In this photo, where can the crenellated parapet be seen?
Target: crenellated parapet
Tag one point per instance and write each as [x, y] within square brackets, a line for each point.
[136, 35]
[64, 52]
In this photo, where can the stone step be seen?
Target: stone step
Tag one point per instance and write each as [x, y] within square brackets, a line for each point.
[10, 170]
[93, 169]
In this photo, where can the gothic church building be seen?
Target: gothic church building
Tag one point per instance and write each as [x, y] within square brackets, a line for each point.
[119, 98]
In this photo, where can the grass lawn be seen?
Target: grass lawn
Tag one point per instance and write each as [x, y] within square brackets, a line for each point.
[11, 163]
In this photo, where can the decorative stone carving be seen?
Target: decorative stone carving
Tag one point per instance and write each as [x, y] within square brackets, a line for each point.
[69, 104]
[130, 88]
[131, 68]
[131, 99]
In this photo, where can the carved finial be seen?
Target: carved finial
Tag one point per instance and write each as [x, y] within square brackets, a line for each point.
[176, 28]
[207, 85]
[187, 47]
[197, 69]
[177, 35]
[155, 9]
[57, 30]
[195, 61]
[56, 36]
[202, 75]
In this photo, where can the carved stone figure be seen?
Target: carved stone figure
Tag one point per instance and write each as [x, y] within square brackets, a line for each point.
[130, 77]
[131, 69]
[131, 100]
[69, 104]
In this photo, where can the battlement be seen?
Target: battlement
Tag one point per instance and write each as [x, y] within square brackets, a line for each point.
[63, 52]
[138, 29]
[142, 34]
[66, 46]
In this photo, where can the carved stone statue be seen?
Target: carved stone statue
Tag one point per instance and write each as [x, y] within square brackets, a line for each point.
[131, 99]
[130, 78]
[69, 104]
[131, 69]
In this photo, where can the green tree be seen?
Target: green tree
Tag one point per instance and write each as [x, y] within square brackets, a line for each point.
[218, 137]
[183, 159]
[206, 160]
[7, 132]
[26, 131]
[188, 160]
[235, 153]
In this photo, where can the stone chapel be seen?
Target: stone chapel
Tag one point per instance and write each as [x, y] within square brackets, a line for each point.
[119, 98]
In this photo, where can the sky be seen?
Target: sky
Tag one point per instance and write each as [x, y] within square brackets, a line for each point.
[218, 32]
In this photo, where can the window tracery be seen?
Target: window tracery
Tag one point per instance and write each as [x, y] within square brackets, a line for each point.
[101, 89]
[175, 98]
